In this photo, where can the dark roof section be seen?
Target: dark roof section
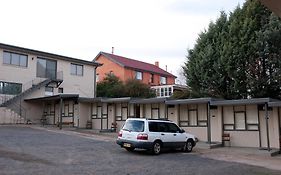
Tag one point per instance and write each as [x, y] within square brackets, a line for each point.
[89, 100]
[241, 101]
[274, 104]
[135, 64]
[190, 101]
[53, 97]
[46, 54]
[104, 99]
[148, 100]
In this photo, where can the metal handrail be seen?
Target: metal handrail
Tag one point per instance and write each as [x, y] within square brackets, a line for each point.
[31, 83]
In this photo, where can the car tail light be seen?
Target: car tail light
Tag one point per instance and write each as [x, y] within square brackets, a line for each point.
[120, 134]
[142, 137]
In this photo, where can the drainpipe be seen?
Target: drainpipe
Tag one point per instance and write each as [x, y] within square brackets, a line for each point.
[60, 112]
[209, 123]
[95, 82]
[267, 128]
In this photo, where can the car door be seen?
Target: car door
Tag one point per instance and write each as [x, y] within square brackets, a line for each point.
[177, 138]
[164, 134]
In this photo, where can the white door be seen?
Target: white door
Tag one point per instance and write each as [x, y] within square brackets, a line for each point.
[216, 127]
[263, 131]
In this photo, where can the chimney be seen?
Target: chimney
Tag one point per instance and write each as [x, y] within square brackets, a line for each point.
[112, 50]
[166, 68]
[157, 63]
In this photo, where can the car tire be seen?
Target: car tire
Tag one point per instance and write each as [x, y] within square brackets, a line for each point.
[130, 149]
[188, 146]
[156, 148]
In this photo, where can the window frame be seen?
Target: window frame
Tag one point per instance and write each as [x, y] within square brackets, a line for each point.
[138, 75]
[76, 69]
[163, 78]
[151, 78]
[187, 122]
[233, 125]
[47, 69]
[20, 56]
[5, 84]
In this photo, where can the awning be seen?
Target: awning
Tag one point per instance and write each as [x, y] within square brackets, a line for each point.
[241, 101]
[54, 97]
[148, 100]
[189, 101]
[274, 104]
[105, 100]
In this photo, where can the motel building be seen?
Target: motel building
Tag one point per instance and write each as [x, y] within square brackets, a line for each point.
[38, 87]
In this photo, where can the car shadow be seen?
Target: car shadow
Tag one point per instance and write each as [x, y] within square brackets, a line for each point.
[142, 152]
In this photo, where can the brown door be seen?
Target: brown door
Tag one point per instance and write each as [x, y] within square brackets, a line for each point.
[137, 111]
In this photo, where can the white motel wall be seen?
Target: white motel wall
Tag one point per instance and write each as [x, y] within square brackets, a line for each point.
[249, 122]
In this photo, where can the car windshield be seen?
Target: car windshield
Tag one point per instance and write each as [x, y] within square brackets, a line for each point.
[134, 125]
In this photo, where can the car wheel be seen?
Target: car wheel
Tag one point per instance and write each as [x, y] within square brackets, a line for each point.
[188, 146]
[156, 148]
[130, 149]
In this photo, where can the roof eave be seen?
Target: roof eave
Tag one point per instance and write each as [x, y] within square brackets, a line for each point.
[47, 54]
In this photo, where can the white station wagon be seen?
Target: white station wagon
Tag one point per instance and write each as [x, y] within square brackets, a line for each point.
[154, 135]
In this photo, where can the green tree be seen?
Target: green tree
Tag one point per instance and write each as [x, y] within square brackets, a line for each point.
[113, 87]
[265, 66]
[238, 56]
[135, 88]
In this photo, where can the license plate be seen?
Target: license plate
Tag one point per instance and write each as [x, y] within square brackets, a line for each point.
[128, 145]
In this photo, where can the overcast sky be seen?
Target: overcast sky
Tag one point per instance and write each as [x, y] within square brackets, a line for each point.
[147, 30]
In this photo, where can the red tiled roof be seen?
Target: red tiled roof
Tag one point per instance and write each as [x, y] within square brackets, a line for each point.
[135, 64]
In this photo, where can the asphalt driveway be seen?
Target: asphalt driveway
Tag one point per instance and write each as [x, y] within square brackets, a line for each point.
[24, 150]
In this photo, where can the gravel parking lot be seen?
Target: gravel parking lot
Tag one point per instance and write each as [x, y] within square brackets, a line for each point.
[24, 150]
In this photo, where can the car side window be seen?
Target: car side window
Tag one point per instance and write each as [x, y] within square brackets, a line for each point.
[153, 127]
[162, 127]
[173, 128]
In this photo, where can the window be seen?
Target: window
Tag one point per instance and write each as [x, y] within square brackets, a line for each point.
[138, 75]
[163, 80]
[153, 127]
[240, 122]
[15, 59]
[166, 92]
[60, 90]
[162, 92]
[134, 125]
[170, 91]
[151, 78]
[237, 119]
[10, 88]
[76, 69]
[97, 77]
[46, 68]
[192, 117]
[173, 128]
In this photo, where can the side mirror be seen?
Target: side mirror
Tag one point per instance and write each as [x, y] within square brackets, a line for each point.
[182, 131]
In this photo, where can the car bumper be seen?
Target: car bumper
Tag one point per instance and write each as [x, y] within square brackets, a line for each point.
[134, 144]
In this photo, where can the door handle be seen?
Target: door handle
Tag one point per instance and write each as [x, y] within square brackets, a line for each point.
[162, 134]
[175, 134]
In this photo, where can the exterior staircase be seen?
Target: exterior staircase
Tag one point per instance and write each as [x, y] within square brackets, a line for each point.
[11, 110]
[25, 92]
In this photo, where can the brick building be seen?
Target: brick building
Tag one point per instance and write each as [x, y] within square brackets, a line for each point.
[126, 68]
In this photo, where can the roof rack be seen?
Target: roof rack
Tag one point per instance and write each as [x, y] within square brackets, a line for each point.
[161, 119]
